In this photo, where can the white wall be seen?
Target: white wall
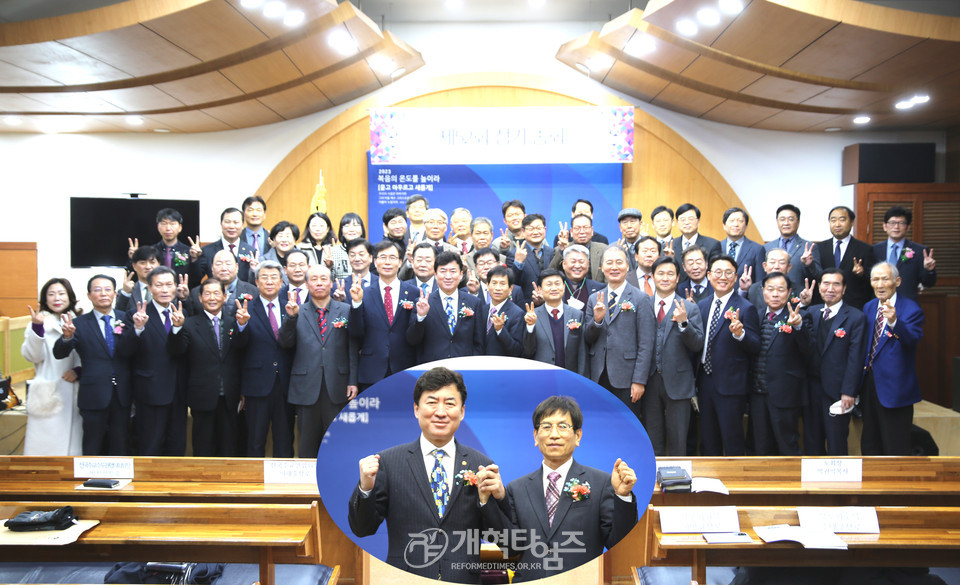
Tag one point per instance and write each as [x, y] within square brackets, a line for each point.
[39, 173]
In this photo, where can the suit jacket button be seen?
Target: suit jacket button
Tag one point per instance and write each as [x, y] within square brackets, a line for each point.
[274, 364]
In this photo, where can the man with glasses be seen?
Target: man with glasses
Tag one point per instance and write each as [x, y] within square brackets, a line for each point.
[533, 256]
[694, 281]
[483, 260]
[578, 286]
[732, 338]
[688, 220]
[581, 233]
[914, 262]
[544, 505]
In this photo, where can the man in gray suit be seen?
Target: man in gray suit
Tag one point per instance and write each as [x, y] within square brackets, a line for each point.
[323, 377]
[555, 324]
[804, 255]
[672, 381]
[620, 330]
[417, 488]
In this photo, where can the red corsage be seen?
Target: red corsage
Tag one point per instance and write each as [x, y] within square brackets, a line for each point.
[467, 477]
[466, 312]
[784, 328]
[627, 306]
[118, 328]
[730, 315]
[576, 490]
[405, 304]
[340, 323]
[573, 324]
[840, 333]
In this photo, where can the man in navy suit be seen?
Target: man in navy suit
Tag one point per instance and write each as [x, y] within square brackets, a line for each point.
[546, 507]
[423, 259]
[553, 325]
[360, 253]
[504, 323]
[533, 256]
[850, 255]
[449, 323]
[694, 283]
[417, 488]
[578, 286]
[254, 210]
[914, 262]
[890, 386]
[745, 251]
[732, 338]
[780, 371]
[134, 292]
[379, 320]
[104, 339]
[231, 227]
[688, 218]
[225, 270]
[483, 260]
[804, 255]
[266, 365]
[839, 335]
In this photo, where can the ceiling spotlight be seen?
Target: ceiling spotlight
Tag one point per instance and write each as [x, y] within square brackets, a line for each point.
[832, 129]
[382, 64]
[12, 120]
[920, 99]
[134, 120]
[640, 45]
[708, 17]
[861, 120]
[687, 27]
[162, 130]
[341, 42]
[293, 18]
[904, 105]
[731, 6]
[274, 9]
[251, 3]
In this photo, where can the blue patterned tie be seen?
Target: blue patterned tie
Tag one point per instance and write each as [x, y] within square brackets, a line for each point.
[732, 250]
[438, 482]
[451, 316]
[714, 322]
[108, 334]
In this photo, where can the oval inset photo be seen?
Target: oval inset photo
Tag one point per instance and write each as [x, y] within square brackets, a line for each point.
[471, 465]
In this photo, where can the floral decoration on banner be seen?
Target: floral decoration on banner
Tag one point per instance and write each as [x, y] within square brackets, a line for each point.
[573, 324]
[465, 312]
[730, 315]
[621, 130]
[627, 306]
[840, 333]
[340, 323]
[383, 136]
[118, 327]
[405, 304]
[180, 259]
[576, 490]
[466, 477]
[907, 254]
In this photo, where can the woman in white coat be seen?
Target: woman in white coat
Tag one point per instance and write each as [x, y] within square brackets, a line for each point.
[54, 426]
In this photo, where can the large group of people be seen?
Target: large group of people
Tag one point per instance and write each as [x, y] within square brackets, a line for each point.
[263, 331]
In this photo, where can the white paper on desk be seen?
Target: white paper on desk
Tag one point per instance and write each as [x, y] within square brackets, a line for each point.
[45, 537]
[121, 483]
[831, 469]
[287, 471]
[103, 467]
[685, 464]
[819, 539]
[843, 519]
[727, 538]
[708, 484]
[692, 519]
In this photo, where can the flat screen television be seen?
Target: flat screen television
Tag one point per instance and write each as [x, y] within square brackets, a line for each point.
[100, 226]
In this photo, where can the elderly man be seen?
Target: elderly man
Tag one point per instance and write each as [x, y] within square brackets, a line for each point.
[575, 268]
[581, 232]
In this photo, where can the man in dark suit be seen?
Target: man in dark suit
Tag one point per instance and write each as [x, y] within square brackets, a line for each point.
[532, 257]
[323, 377]
[415, 487]
[890, 386]
[423, 260]
[641, 274]
[584, 207]
[104, 340]
[804, 255]
[159, 392]
[231, 227]
[504, 322]
[295, 275]
[581, 233]
[483, 260]
[745, 251]
[839, 335]
[555, 324]
[208, 342]
[266, 365]
[732, 337]
[672, 381]
[225, 270]
[171, 252]
[777, 261]
[254, 210]
[381, 332]
[694, 282]
[134, 292]
[360, 254]
[780, 371]
[688, 218]
[578, 286]
[914, 262]
[852, 256]
[663, 223]
[544, 506]
[449, 323]
[620, 331]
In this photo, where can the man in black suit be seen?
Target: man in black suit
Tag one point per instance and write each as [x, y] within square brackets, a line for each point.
[449, 322]
[208, 342]
[266, 365]
[641, 273]
[852, 256]
[533, 256]
[745, 251]
[254, 210]
[913, 261]
[504, 323]
[423, 259]
[780, 371]
[483, 259]
[231, 227]
[584, 207]
[694, 283]
[225, 270]
[545, 506]
[688, 218]
[663, 223]
[416, 488]
[553, 325]
[578, 286]
[804, 255]
[134, 292]
[839, 335]
[295, 273]
[104, 340]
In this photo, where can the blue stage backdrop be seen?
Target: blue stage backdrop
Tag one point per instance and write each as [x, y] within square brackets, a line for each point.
[502, 394]
[548, 189]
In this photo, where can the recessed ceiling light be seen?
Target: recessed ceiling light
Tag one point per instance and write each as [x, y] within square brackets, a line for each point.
[904, 105]
[832, 129]
[687, 27]
[12, 120]
[920, 99]
[341, 42]
[640, 46]
[861, 120]
[251, 3]
[274, 9]
[708, 17]
[134, 120]
[293, 18]
[731, 6]
[162, 130]
[453, 4]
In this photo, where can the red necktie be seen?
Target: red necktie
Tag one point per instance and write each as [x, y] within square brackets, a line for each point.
[661, 314]
[556, 313]
[232, 251]
[388, 303]
[322, 323]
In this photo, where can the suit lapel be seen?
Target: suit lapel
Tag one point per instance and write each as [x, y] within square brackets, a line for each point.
[461, 462]
[834, 323]
[417, 469]
[207, 334]
[93, 327]
[563, 506]
[536, 498]
[544, 315]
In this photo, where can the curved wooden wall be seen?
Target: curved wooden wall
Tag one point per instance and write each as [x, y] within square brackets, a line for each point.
[666, 169]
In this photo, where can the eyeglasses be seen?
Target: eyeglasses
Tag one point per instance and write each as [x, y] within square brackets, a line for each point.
[393, 257]
[563, 428]
[896, 222]
[718, 273]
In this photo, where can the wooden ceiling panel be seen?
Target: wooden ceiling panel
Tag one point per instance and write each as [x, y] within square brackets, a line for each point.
[210, 30]
[917, 65]
[273, 27]
[775, 88]
[845, 98]
[666, 13]
[793, 121]
[348, 83]
[739, 113]
[74, 102]
[139, 98]
[267, 71]
[770, 33]
[13, 75]
[189, 121]
[312, 54]
[60, 63]
[847, 51]
[155, 54]
[634, 82]
[298, 101]
[14, 102]
[686, 101]
[201, 89]
[242, 114]
[720, 74]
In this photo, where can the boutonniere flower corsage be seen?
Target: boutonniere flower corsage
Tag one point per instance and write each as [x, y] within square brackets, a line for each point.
[118, 327]
[730, 315]
[405, 304]
[794, 299]
[181, 259]
[891, 334]
[576, 490]
[784, 328]
[573, 324]
[246, 297]
[340, 323]
[907, 254]
[245, 257]
[466, 477]
[466, 312]
[841, 333]
[627, 306]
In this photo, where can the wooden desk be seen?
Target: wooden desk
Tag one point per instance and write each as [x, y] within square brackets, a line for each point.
[139, 531]
[909, 537]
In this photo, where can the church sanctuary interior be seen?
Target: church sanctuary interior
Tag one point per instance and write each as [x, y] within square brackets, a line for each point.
[113, 110]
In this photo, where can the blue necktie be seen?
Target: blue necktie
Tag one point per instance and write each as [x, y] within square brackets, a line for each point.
[108, 334]
[438, 482]
[732, 250]
[894, 254]
[836, 255]
[451, 317]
